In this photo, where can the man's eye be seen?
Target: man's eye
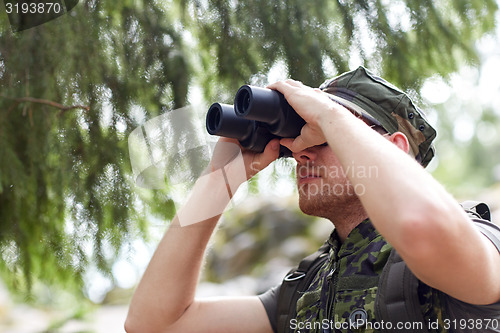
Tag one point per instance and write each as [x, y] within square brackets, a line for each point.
[323, 144]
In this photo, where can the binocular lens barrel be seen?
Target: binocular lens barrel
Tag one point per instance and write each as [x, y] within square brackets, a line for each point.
[269, 107]
[259, 104]
[242, 101]
[221, 120]
[214, 117]
[258, 116]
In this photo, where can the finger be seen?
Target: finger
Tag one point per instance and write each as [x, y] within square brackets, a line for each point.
[287, 142]
[278, 85]
[270, 153]
[294, 83]
[262, 160]
[312, 135]
[299, 144]
[286, 85]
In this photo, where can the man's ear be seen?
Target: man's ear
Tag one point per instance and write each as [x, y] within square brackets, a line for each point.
[401, 141]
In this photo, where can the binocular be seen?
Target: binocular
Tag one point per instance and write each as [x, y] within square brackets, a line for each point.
[258, 116]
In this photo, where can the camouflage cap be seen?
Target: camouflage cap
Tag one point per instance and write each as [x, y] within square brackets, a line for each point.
[383, 104]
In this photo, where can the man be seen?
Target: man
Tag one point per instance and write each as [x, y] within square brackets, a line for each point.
[399, 206]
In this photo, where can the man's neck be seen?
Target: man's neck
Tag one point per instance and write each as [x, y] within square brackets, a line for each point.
[346, 222]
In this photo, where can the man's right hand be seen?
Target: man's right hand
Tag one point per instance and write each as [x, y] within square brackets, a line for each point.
[164, 300]
[227, 150]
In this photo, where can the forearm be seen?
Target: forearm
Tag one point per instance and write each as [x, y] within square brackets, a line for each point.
[393, 188]
[415, 213]
[408, 207]
[168, 286]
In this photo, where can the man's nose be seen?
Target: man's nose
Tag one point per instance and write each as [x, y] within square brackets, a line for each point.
[306, 155]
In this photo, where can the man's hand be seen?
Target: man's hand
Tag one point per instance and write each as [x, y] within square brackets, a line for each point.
[312, 105]
[227, 150]
[164, 300]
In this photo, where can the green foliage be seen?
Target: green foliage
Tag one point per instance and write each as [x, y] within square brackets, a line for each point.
[66, 196]
[74, 88]
[407, 41]
[467, 147]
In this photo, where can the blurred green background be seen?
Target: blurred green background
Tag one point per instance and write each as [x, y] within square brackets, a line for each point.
[76, 231]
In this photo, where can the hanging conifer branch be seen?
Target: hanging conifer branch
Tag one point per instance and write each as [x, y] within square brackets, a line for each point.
[59, 106]
[71, 174]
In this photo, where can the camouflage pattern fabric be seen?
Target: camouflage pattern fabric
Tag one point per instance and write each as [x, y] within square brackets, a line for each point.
[345, 287]
[377, 100]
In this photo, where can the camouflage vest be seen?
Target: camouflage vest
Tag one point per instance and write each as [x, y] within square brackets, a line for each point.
[341, 297]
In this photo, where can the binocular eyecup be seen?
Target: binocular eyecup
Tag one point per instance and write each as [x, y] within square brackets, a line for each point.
[258, 116]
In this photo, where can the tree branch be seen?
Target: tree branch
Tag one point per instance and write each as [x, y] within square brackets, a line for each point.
[61, 107]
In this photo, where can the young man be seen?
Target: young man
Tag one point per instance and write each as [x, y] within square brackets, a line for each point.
[398, 205]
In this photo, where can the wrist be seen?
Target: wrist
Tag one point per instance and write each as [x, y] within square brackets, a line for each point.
[335, 115]
[326, 118]
[208, 199]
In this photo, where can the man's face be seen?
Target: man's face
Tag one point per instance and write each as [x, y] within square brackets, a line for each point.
[322, 182]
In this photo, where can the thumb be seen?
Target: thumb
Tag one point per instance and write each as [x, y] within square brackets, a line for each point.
[262, 160]
[270, 153]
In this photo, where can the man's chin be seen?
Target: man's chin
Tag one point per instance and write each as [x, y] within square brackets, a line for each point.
[322, 204]
[308, 210]
[313, 205]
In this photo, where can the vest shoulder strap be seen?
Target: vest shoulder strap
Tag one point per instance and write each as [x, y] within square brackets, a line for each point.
[477, 209]
[295, 283]
[479, 212]
[397, 298]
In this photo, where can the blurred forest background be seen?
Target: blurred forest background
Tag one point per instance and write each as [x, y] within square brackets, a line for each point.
[75, 229]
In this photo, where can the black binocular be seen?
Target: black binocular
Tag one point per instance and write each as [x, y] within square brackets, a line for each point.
[258, 116]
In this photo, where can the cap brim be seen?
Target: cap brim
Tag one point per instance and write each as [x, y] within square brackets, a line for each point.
[355, 108]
